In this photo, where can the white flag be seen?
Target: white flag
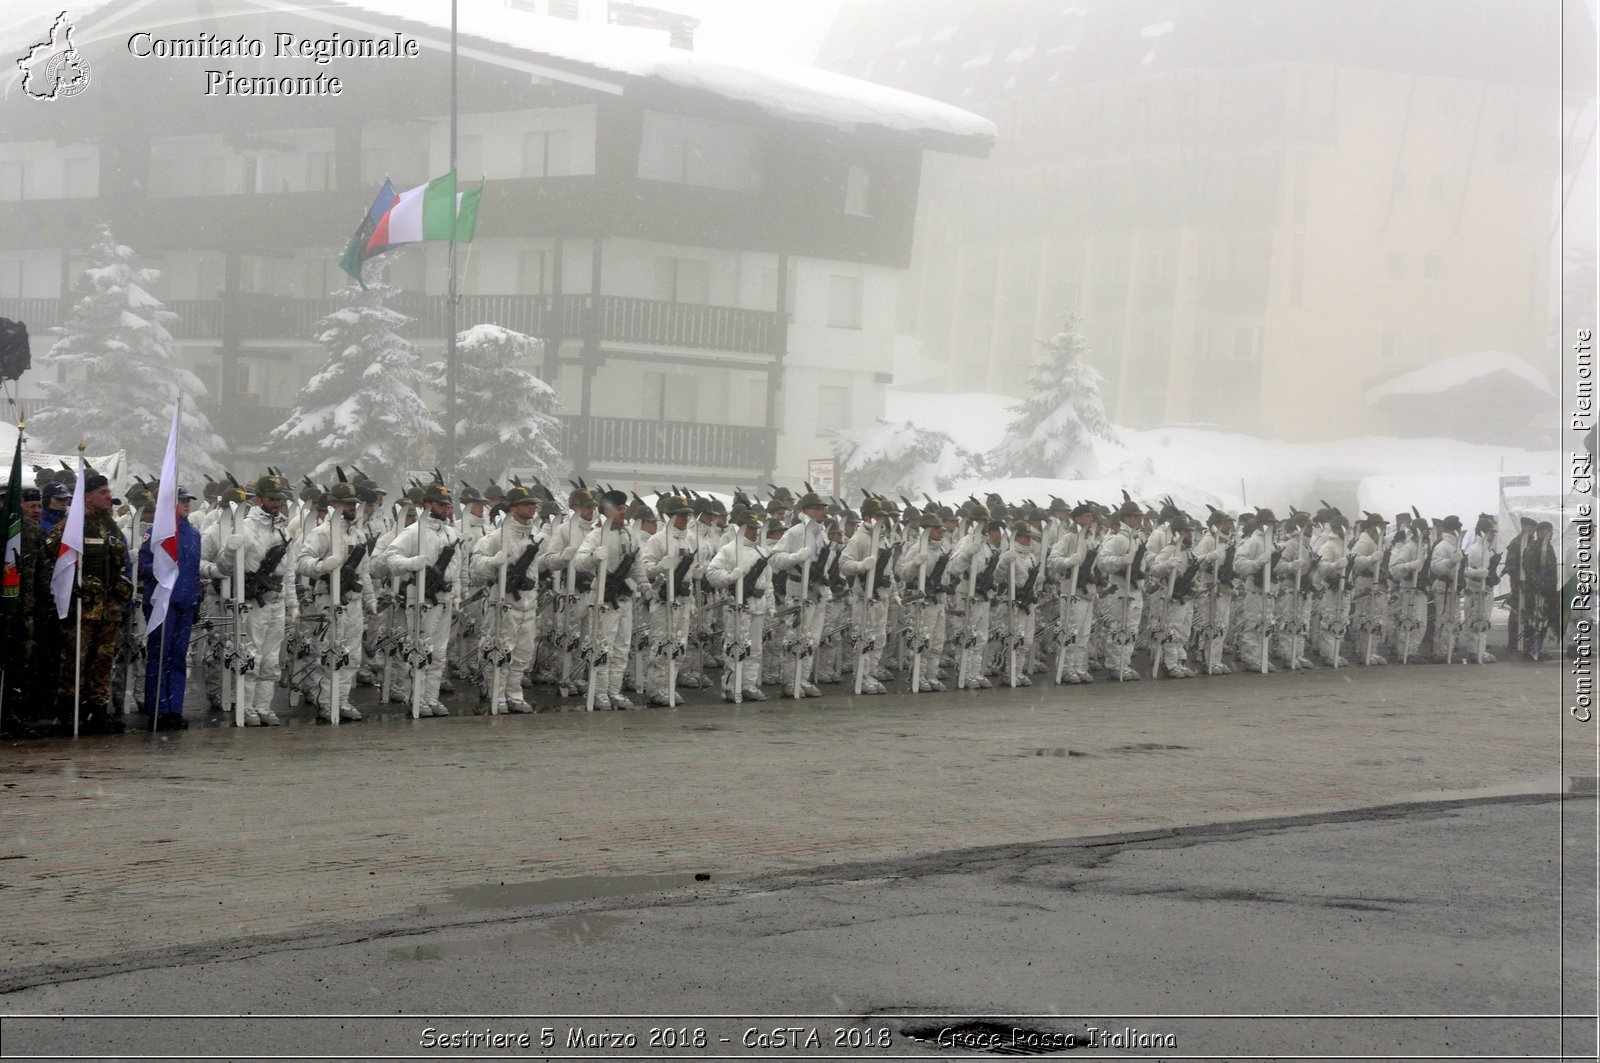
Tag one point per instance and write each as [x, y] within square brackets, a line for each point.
[66, 571]
[164, 532]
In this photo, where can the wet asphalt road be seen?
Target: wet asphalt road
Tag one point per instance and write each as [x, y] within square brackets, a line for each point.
[1452, 908]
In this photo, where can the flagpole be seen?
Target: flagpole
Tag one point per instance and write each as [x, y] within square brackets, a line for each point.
[161, 672]
[450, 300]
[77, 654]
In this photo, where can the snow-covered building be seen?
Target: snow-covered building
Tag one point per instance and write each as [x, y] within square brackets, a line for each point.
[1261, 207]
[709, 245]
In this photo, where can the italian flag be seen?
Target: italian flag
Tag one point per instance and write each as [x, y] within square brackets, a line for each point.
[428, 212]
[164, 533]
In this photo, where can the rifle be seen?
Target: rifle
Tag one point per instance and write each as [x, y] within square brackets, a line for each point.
[1027, 595]
[617, 578]
[437, 575]
[517, 580]
[349, 581]
[265, 579]
[984, 584]
[750, 578]
[679, 580]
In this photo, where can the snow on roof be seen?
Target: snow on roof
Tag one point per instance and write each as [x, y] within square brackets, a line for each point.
[778, 86]
[1455, 371]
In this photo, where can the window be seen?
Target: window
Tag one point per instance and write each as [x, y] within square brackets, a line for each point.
[547, 153]
[534, 273]
[857, 192]
[669, 396]
[13, 180]
[319, 171]
[768, 299]
[683, 280]
[833, 409]
[844, 302]
[1247, 343]
[695, 152]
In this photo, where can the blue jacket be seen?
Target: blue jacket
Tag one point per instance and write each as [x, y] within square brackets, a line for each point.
[186, 592]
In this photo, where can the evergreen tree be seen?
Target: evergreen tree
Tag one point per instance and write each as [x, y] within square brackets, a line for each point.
[118, 374]
[363, 406]
[507, 421]
[1052, 431]
[902, 459]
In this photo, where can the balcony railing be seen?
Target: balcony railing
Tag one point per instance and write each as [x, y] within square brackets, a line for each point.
[621, 319]
[684, 445]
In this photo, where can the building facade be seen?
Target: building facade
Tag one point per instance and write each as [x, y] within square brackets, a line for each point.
[1260, 207]
[713, 267]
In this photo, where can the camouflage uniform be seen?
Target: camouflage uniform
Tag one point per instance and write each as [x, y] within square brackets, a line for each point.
[106, 591]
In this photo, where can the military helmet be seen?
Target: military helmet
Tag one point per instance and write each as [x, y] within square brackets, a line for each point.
[469, 494]
[639, 509]
[613, 500]
[514, 495]
[340, 492]
[1022, 527]
[549, 509]
[367, 491]
[435, 492]
[273, 487]
[810, 500]
[931, 518]
[776, 527]
[494, 492]
[1129, 509]
[976, 511]
[1486, 523]
[744, 518]
[871, 507]
[1451, 523]
[1265, 516]
[672, 505]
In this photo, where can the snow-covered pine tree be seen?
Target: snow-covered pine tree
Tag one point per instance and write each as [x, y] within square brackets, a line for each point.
[118, 372]
[362, 407]
[1052, 431]
[895, 459]
[507, 419]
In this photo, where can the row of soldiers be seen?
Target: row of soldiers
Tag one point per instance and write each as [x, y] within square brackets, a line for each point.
[609, 596]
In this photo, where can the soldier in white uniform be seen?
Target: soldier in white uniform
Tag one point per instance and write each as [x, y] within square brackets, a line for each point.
[741, 569]
[317, 561]
[425, 552]
[608, 555]
[265, 546]
[510, 631]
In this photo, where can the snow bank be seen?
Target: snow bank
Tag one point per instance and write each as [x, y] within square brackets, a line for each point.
[1455, 371]
[1232, 470]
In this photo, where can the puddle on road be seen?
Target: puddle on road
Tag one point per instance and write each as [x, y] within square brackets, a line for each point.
[555, 891]
[580, 929]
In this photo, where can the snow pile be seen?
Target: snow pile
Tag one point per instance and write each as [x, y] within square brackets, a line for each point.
[1457, 371]
[778, 86]
[1233, 470]
[903, 459]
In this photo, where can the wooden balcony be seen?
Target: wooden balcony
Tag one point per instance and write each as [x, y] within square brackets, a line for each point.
[702, 452]
[621, 320]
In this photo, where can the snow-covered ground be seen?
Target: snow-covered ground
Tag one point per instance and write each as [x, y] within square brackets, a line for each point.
[1232, 470]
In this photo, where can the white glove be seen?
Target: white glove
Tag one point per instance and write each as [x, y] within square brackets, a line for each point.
[328, 564]
[697, 569]
[232, 543]
[411, 564]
